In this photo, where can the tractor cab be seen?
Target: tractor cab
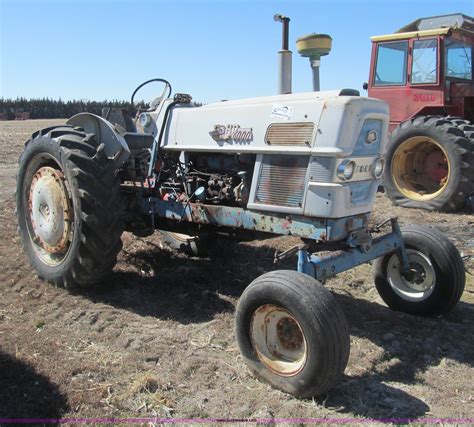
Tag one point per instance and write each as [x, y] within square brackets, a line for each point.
[425, 68]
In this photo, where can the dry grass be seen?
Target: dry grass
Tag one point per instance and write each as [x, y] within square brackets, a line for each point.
[163, 344]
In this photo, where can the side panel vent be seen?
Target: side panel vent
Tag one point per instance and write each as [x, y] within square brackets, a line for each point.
[282, 180]
[322, 169]
[290, 134]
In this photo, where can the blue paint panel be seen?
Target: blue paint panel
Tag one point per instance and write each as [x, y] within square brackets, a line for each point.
[319, 229]
[338, 229]
[364, 149]
[336, 262]
[362, 192]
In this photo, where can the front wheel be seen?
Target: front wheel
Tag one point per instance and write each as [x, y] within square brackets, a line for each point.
[434, 283]
[292, 333]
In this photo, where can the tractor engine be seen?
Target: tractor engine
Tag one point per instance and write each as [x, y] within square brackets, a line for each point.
[215, 179]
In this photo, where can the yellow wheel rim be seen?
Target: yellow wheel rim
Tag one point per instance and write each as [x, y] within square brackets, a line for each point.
[421, 168]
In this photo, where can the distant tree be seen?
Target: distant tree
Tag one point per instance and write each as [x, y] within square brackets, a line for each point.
[46, 108]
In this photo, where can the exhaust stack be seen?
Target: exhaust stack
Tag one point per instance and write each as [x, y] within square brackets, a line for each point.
[284, 57]
[313, 46]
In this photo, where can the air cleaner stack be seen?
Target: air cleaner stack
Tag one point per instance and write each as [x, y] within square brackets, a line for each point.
[314, 46]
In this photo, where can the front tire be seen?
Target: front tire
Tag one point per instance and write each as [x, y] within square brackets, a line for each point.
[435, 282]
[68, 206]
[429, 165]
[292, 333]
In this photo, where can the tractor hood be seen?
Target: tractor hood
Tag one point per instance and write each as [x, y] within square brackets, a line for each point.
[319, 123]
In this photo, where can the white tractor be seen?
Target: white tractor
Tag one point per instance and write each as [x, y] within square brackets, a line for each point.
[302, 164]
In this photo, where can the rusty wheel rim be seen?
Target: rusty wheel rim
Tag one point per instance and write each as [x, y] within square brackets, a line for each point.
[278, 340]
[50, 214]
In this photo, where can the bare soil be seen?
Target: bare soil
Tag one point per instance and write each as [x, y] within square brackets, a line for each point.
[156, 338]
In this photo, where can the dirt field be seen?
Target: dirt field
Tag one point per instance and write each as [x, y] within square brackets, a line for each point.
[156, 337]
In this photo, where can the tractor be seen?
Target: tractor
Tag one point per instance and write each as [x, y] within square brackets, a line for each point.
[424, 72]
[295, 164]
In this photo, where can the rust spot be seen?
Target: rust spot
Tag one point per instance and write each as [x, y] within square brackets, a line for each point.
[53, 182]
[289, 333]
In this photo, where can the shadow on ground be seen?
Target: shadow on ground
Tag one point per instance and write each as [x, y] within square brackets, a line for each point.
[24, 393]
[411, 345]
[168, 285]
[192, 290]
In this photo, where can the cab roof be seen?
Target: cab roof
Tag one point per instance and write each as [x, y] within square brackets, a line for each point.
[430, 26]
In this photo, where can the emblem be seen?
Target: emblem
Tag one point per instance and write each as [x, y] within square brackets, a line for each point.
[232, 134]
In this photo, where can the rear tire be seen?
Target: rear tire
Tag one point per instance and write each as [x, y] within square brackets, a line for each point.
[465, 125]
[438, 275]
[429, 165]
[292, 333]
[69, 207]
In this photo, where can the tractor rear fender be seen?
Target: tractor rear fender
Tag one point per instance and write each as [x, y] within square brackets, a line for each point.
[115, 146]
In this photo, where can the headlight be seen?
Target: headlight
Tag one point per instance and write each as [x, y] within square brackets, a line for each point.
[145, 120]
[371, 137]
[378, 168]
[346, 170]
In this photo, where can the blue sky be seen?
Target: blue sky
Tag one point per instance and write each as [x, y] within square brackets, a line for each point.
[211, 49]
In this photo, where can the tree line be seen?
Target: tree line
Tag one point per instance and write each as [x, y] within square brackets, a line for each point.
[45, 108]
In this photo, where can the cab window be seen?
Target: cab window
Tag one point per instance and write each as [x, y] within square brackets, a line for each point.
[424, 68]
[391, 67]
[458, 60]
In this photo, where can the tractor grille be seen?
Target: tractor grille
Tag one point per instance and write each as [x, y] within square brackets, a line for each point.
[282, 180]
[290, 134]
[322, 169]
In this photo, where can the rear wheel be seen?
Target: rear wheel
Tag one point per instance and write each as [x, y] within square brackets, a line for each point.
[435, 280]
[428, 165]
[292, 333]
[68, 207]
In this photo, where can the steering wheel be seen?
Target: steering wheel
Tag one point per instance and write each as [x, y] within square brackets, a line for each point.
[155, 101]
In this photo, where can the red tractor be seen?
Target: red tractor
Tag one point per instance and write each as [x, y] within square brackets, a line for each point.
[424, 71]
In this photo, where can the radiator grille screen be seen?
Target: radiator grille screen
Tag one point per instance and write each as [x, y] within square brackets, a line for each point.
[322, 169]
[290, 134]
[282, 180]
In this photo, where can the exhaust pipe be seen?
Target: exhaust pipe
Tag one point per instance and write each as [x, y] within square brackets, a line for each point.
[284, 57]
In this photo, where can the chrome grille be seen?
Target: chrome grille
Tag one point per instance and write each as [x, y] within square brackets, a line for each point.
[322, 169]
[282, 180]
[290, 133]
